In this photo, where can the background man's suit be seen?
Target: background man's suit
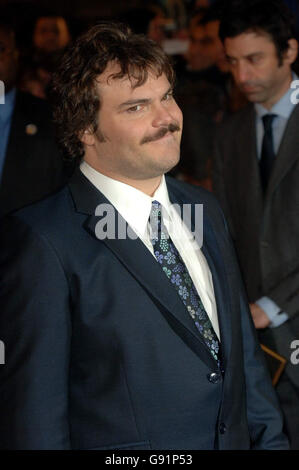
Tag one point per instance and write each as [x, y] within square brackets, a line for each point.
[33, 165]
[100, 350]
[265, 229]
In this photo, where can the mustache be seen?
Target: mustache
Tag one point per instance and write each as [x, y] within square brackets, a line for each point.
[172, 127]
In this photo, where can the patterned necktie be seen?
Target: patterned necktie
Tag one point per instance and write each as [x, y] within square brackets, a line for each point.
[174, 268]
[268, 154]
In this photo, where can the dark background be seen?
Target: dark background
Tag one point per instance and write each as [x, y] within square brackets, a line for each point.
[80, 8]
[79, 14]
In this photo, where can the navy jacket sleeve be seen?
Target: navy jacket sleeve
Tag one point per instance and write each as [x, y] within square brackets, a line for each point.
[265, 421]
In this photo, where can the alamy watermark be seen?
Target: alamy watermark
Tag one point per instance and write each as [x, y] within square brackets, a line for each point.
[2, 353]
[2, 92]
[186, 223]
[295, 354]
[295, 94]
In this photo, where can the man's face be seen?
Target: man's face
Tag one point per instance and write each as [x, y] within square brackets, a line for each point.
[51, 33]
[139, 131]
[8, 59]
[255, 67]
[214, 45]
[156, 29]
[198, 55]
[206, 48]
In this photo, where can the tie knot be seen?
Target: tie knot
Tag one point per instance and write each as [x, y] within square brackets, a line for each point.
[155, 210]
[268, 120]
[156, 206]
[157, 228]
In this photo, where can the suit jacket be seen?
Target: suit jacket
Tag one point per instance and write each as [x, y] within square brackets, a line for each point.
[33, 165]
[265, 229]
[100, 350]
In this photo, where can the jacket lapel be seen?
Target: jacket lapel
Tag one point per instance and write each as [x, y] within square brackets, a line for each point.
[221, 289]
[287, 153]
[247, 177]
[143, 266]
[214, 256]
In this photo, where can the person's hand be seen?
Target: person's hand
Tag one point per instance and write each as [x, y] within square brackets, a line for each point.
[259, 316]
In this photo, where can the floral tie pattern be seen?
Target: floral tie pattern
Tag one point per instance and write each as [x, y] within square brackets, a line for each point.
[173, 266]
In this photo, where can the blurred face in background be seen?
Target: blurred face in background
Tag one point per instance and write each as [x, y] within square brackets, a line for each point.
[51, 34]
[206, 49]
[214, 46]
[198, 56]
[8, 59]
[202, 3]
[156, 29]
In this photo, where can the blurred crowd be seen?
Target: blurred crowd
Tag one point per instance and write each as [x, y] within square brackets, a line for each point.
[32, 40]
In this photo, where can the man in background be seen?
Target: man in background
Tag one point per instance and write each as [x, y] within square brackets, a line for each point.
[256, 171]
[206, 93]
[31, 165]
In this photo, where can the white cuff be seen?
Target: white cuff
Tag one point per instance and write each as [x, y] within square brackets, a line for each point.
[273, 312]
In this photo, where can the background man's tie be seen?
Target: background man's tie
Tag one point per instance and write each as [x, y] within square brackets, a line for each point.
[174, 268]
[268, 154]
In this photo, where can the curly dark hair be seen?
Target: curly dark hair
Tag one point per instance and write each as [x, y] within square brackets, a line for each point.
[270, 17]
[74, 95]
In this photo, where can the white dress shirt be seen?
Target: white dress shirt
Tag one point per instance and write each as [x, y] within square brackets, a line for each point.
[135, 207]
[283, 110]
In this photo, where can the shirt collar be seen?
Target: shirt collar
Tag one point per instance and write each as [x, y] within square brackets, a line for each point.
[7, 108]
[283, 108]
[133, 205]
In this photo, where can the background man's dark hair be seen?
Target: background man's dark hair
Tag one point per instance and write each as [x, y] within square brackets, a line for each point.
[74, 94]
[138, 19]
[272, 17]
[213, 13]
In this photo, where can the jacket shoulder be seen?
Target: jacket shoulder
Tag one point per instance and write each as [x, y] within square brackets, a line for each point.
[45, 215]
[237, 121]
[33, 108]
[185, 193]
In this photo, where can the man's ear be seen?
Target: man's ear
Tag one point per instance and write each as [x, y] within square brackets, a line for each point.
[292, 52]
[87, 137]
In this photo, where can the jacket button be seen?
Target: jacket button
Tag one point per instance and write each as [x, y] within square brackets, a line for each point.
[222, 428]
[214, 377]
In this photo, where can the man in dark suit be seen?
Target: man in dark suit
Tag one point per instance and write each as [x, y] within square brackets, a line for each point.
[31, 165]
[256, 171]
[121, 334]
